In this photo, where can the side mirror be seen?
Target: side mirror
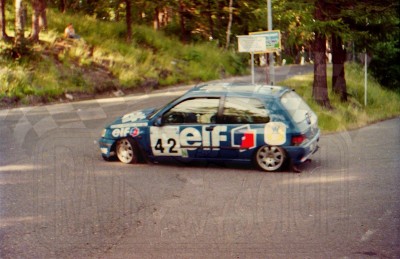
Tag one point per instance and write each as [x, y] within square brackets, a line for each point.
[158, 122]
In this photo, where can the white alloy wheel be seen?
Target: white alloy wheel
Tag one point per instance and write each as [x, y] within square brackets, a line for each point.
[270, 158]
[126, 152]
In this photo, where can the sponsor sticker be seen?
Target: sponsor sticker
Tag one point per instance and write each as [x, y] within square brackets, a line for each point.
[132, 117]
[134, 132]
[243, 137]
[119, 133]
[275, 133]
[165, 141]
[172, 140]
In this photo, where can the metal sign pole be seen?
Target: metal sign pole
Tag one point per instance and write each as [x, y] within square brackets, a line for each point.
[365, 79]
[252, 44]
[252, 68]
[266, 69]
[271, 55]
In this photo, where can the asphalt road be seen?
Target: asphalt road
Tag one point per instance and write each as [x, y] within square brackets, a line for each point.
[59, 199]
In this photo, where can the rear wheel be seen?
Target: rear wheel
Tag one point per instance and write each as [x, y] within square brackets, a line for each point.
[126, 151]
[270, 158]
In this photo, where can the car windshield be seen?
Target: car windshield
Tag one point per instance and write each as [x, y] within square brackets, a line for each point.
[156, 110]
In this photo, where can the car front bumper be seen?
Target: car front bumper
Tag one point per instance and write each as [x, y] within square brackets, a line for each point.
[106, 147]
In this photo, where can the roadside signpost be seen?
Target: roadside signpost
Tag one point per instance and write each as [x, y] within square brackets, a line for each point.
[272, 40]
[260, 42]
[273, 44]
[252, 44]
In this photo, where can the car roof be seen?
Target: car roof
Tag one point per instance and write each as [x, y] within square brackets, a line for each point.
[241, 89]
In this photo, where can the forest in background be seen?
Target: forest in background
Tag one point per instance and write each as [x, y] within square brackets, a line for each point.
[194, 31]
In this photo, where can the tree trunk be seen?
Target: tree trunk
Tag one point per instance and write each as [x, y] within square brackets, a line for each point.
[338, 75]
[3, 34]
[165, 17]
[43, 15]
[36, 10]
[320, 84]
[63, 6]
[128, 20]
[156, 20]
[182, 21]
[19, 24]
[228, 30]
[210, 19]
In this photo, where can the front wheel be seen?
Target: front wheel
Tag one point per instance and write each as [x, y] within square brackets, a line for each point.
[126, 151]
[108, 159]
[270, 158]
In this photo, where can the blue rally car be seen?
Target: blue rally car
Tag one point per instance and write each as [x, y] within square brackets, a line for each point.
[265, 125]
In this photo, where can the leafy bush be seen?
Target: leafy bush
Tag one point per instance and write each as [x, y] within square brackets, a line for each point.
[385, 64]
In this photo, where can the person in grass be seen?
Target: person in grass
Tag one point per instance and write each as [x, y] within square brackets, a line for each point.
[69, 32]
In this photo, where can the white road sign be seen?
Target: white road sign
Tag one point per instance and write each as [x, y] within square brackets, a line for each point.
[247, 43]
[272, 39]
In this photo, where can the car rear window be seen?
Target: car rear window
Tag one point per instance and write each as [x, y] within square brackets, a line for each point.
[295, 105]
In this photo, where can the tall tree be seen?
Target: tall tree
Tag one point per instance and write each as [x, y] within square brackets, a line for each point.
[36, 13]
[19, 24]
[182, 20]
[128, 5]
[209, 15]
[3, 34]
[374, 27]
[43, 15]
[320, 85]
[365, 21]
[156, 24]
[229, 27]
[333, 10]
[338, 74]
[62, 6]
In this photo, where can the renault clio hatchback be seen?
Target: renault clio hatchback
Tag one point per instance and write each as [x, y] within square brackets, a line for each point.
[267, 126]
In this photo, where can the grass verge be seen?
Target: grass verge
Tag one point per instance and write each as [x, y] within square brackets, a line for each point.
[381, 103]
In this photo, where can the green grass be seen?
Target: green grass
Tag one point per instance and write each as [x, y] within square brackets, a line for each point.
[381, 103]
[151, 56]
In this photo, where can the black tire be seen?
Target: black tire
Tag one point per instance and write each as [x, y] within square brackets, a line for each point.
[109, 159]
[270, 158]
[127, 151]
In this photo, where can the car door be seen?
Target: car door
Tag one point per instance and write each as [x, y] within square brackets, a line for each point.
[188, 130]
[245, 119]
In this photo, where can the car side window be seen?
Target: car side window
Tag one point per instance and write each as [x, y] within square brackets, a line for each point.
[197, 110]
[239, 110]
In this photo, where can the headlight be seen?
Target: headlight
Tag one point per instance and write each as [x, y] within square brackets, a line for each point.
[103, 133]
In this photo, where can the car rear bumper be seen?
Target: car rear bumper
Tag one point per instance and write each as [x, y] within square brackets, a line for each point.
[300, 154]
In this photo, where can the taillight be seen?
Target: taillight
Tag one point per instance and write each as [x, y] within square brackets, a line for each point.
[297, 140]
